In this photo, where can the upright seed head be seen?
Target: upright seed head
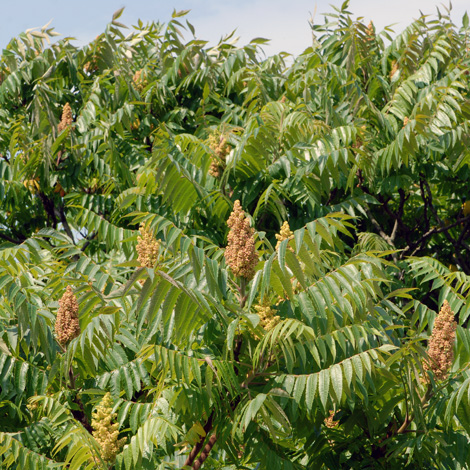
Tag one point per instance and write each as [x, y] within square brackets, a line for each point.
[441, 344]
[104, 431]
[241, 253]
[66, 119]
[67, 326]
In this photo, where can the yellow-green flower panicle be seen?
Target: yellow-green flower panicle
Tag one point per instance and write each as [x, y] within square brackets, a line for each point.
[240, 253]
[285, 234]
[267, 318]
[140, 81]
[220, 148]
[441, 344]
[105, 431]
[148, 248]
[67, 326]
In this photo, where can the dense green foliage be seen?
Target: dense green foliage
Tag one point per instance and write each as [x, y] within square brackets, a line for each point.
[321, 359]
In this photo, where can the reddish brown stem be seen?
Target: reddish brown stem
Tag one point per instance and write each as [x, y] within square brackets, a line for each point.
[205, 452]
[197, 448]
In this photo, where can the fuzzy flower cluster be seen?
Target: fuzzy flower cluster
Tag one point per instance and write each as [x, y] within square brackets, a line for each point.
[357, 144]
[241, 253]
[136, 124]
[330, 422]
[140, 82]
[67, 326]
[66, 119]
[104, 431]
[296, 289]
[267, 318]
[32, 406]
[91, 66]
[285, 234]
[147, 247]
[394, 69]
[220, 148]
[359, 139]
[441, 344]
[370, 31]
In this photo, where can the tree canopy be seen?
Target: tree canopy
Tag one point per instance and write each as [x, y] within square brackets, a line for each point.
[213, 258]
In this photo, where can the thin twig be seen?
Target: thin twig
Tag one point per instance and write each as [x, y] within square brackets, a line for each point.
[16, 241]
[65, 224]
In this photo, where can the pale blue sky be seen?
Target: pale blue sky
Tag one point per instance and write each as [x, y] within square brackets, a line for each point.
[285, 22]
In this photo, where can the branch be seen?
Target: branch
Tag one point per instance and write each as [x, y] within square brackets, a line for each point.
[436, 230]
[388, 239]
[80, 414]
[331, 196]
[65, 224]
[408, 418]
[407, 411]
[191, 460]
[89, 238]
[16, 241]
[205, 452]
[462, 263]
[394, 231]
[49, 208]
[197, 448]
[242, 292]
[425, 200]
[464, 230]
[399, 215]
[405, 424]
